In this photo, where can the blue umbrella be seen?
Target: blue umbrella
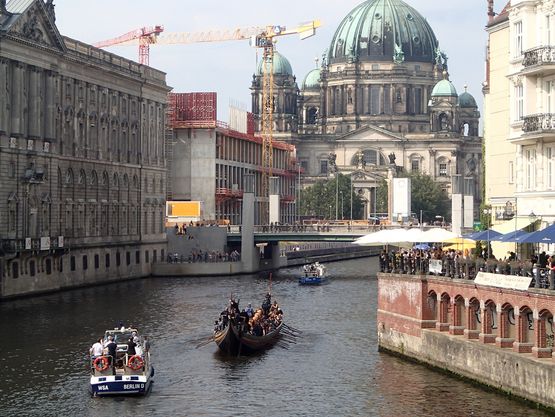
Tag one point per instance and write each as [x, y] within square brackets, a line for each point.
[483, 235]
[422, 246]
[510, 237]
[546, 235]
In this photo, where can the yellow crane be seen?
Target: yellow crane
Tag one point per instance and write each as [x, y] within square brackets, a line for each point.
[261, 37]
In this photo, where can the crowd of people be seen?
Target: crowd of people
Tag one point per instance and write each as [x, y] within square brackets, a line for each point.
[465, 264]
[257, 322]
[205, 256]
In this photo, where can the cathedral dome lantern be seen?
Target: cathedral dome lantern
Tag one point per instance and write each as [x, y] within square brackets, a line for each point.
[466, 100]
[445, 88]
[383, 30]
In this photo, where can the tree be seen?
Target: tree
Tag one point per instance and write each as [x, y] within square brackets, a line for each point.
[426, 194]
[319, 200]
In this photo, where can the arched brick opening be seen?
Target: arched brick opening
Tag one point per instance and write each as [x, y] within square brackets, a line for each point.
[525, 331]
[473, 319]
[489, 322]
[459, 318]
[445, 313]
[506, 331]
[543, 335]
[431, 307]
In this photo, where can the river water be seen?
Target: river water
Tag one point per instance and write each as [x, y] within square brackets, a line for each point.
[334, 369]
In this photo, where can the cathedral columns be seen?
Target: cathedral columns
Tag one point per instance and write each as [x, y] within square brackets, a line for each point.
[4, 95]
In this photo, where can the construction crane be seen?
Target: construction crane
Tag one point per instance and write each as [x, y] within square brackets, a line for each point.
[261, 37]
[143, 36]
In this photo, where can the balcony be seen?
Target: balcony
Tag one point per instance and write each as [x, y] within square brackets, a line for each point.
[537, 126]
[539, 60]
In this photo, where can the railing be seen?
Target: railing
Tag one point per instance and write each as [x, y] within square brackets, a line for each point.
[467, 269]
[538, 122]
[538, 56]
[30, 244]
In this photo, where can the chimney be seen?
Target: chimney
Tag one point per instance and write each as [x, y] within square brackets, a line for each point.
[491, 13]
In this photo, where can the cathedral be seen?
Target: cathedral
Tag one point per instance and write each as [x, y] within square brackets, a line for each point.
[380, 102]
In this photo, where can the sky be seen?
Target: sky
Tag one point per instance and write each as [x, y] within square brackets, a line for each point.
[227, 67]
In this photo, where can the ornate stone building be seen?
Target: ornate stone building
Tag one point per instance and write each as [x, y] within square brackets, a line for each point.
[82, 167]
[382, 91]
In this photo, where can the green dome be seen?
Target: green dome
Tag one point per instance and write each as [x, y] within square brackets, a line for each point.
[373, 29]
[312, 80]
[466, 100]
[281, 65]
[444, 88]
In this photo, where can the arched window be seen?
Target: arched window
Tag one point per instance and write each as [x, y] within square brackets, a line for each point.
[311, 115]
[69, 177]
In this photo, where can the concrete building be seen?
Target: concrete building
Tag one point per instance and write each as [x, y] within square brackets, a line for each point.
[381, 100]
[210, 159]
[82, 162]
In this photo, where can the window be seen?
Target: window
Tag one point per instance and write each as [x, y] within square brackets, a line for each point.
[85, 263]
[324, 166]
[415, 165]
[147, 256]
[443, 169]
[162, 253]
[107, 260]
[32, 270]
[519, 102]
[48, 266]
[118, 259]
[550, 167]
[15, 270]
[548, 88]
[517, 36]
[72, 263]
[96, 261]
[138, 257]
[128, 258]
[530, 169]
[154, 255]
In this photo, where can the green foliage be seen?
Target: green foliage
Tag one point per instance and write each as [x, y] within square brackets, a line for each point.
[320, 199]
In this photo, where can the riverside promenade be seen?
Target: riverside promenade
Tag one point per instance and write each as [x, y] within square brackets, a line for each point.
[495, 329]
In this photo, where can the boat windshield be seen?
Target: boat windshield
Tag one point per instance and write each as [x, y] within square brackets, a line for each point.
[119, 337]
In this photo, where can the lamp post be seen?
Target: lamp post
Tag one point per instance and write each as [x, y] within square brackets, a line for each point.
[487, 212]
[336, 195]
[342, 215]
[351, 177]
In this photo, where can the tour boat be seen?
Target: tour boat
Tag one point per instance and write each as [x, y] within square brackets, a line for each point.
[233, 338]
[129, 374]
[314, 274]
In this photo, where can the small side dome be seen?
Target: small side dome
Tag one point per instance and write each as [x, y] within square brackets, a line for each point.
[466, 100]
[444, 88]
[281, 65]
[312, 80]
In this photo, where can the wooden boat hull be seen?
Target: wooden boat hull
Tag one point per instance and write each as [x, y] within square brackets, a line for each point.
[233, 342]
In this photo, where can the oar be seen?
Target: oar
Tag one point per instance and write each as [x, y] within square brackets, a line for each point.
[206, 342]
[291, 328]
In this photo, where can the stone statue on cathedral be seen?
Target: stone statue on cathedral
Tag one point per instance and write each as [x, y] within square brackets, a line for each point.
[392, 158]
[398, 55]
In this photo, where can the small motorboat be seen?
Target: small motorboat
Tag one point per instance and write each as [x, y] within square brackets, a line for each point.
[237, 334]
[126, 373]
[314, 274]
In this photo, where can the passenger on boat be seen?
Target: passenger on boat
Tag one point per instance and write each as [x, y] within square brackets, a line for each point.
[97, 348]
[266, 304]
[111, 348]
[139, 350]
[131, 346]
[249, 310]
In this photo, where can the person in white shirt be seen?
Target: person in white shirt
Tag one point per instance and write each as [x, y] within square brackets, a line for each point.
[97, 348]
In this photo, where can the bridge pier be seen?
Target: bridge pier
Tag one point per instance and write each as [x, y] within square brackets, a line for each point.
[250, 257]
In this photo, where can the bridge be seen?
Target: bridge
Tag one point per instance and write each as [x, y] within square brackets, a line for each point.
[303, 233]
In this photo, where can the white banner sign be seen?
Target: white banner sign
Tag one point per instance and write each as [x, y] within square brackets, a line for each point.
[435, 266]
[503, 281]
[44, 243]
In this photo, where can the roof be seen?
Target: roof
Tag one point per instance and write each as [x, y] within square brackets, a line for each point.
[281, 65]
[466, 100]
[312, 80]
[501, 17]
[444, 88]
[376, 30]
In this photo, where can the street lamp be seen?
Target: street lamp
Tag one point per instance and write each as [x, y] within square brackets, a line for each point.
[351, 177]
[342, 215]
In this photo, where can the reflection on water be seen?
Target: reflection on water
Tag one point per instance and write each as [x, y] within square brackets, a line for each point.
[332, 369]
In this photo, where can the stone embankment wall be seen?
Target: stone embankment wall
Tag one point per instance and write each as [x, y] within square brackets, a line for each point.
[431, 319]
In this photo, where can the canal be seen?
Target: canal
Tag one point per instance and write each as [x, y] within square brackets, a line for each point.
[334, 369]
